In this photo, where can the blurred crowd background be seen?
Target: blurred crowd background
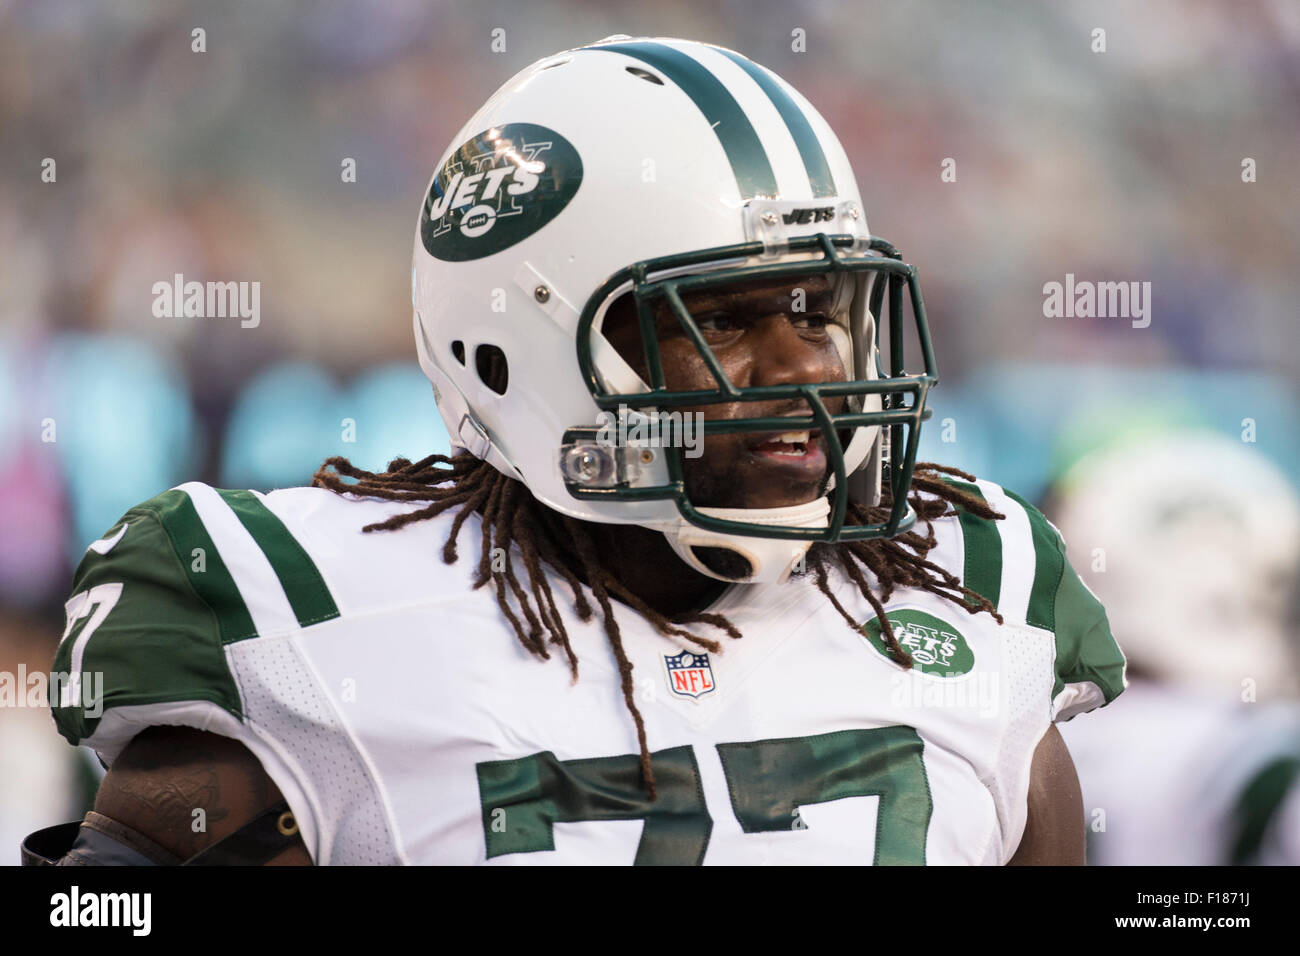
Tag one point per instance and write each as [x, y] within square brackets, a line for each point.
[1122, 165]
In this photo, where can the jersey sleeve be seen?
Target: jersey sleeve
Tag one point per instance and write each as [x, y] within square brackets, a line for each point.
[1089, 669]
[152, 609]
[1089, 664]
[179, 616]
[1019, 564]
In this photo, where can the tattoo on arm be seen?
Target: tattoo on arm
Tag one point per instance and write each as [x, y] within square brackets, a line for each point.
[167, 773]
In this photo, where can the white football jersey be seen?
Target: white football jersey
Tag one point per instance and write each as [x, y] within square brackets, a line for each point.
[1170, 777]
[403, 721]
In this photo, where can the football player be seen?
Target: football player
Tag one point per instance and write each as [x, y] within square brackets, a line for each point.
[1217, 661]
[680, 594]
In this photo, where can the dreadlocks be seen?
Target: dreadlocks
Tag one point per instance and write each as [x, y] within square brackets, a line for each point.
[512, 516]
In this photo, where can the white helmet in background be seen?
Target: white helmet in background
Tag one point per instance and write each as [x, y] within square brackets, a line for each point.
[654, 167]
[1199, 537]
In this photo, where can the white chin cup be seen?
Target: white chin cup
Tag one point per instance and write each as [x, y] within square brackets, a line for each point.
[770, 559]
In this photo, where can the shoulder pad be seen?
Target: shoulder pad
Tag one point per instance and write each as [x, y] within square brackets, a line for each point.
[1019, 563]
[158, 598]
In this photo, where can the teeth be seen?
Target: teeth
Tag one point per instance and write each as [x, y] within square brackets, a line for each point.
[794, 438]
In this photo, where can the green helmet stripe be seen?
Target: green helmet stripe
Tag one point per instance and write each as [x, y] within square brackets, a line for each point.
[810, 147]
[749, 162]
[303, 585]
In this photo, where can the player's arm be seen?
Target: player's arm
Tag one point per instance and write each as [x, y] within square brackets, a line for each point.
[1054, 831]
[166, 774]
[153, 610]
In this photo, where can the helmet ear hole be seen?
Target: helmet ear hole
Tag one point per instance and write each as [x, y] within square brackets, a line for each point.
[458, 351]
[493, 370]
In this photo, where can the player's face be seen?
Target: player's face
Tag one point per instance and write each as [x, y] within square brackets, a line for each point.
[759, 339]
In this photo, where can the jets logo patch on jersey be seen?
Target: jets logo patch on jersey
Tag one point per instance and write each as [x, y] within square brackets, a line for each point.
[689, 674]
[936, 646]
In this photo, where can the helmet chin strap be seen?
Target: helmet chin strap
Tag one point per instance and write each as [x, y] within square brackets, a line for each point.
[742, 559]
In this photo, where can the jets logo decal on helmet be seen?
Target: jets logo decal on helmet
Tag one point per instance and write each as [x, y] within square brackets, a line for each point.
[498, 189]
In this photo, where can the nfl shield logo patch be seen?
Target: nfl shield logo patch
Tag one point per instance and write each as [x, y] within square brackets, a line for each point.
[689, 674]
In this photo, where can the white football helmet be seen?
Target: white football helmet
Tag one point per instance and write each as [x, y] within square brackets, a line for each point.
[1194, 543]
[655, 167]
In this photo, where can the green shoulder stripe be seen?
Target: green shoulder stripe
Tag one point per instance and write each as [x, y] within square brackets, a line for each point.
[1049, 565]
[303, 585]
[198, 554]
[1060, 602]
[982, 546]
[162, 633]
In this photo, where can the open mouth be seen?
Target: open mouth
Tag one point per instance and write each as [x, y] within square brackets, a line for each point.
[795, 453]
[788, 444]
